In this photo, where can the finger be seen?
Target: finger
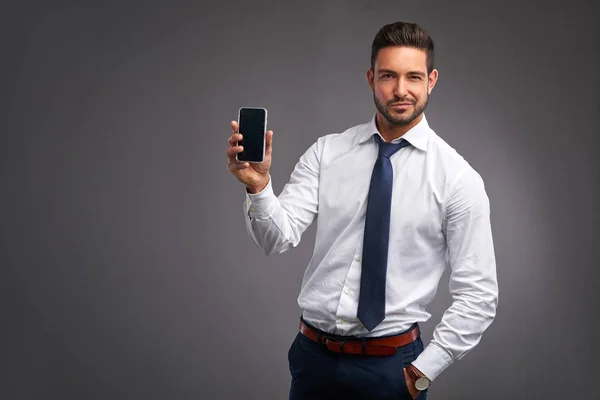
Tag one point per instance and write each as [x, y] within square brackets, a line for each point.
[236, 166]
[269, 143]
[234, 139]
[232, 151]
[234, 126]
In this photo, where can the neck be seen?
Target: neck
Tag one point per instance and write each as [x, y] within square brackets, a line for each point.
[391, 131]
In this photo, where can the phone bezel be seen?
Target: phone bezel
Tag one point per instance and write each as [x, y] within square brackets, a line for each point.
[264, 133]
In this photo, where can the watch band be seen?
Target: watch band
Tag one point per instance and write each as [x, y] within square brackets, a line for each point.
[420, 380]
[412, 374]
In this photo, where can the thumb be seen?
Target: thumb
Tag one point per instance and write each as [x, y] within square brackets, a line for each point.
[268, 143]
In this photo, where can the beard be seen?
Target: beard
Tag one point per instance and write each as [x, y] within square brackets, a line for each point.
[399, 120]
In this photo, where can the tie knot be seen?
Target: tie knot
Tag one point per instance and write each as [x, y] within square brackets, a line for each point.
[388, 149]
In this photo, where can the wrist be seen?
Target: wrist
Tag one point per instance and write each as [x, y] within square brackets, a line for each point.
[257, 187]
[419, 379]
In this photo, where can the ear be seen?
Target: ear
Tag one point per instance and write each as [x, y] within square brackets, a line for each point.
[433, 77]
[370, 76]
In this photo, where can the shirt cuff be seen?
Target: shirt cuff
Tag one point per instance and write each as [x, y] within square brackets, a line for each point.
[260, 204]
[432, 361]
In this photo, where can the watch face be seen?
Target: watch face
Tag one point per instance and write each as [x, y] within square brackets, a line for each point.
[422, 383]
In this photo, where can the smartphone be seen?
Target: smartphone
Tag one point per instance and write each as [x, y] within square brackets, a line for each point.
[252, 124]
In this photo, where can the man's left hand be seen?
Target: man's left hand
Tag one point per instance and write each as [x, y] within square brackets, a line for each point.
[411, 386]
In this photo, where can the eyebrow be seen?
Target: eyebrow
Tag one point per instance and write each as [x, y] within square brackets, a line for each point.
[389, 71]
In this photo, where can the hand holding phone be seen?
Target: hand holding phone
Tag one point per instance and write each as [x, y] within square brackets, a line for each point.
[253, 172]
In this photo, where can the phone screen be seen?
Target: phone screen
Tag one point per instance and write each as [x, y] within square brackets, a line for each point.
[252, 126]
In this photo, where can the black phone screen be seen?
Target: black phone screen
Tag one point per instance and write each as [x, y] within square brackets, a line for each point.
[252, 127]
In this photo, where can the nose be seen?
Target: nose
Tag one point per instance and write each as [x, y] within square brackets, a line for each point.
[401, 89]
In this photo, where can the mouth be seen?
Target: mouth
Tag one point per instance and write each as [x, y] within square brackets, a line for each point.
[400, 107]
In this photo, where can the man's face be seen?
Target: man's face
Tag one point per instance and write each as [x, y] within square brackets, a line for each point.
[400, 83]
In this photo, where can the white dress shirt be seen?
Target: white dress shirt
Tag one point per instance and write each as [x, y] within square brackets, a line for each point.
[440, 217]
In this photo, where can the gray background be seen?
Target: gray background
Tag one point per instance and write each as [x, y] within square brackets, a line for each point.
[126, 269]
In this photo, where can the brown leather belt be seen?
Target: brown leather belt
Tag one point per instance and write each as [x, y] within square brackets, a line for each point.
[384, 346]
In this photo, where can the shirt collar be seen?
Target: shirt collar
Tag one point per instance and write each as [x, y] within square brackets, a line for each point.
[417, 136]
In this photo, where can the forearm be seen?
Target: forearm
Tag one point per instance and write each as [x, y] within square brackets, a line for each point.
[460, 329]
[473, 281]
[268, 223]
[277, 223]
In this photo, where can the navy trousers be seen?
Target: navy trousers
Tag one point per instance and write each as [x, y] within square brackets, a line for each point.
[318, 373]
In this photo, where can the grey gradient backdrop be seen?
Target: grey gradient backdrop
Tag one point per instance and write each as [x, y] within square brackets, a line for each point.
[126, 269]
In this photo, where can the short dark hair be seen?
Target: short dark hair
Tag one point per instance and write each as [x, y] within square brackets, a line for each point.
[403, 34]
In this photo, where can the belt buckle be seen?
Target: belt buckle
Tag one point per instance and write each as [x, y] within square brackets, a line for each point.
[329, 339]
[380, 350]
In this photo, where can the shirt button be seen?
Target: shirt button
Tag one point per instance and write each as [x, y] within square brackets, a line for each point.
[358, 259]
[340, 321]
[348, 291]
[252, 209]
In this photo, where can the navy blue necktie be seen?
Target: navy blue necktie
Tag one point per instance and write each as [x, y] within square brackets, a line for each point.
[371, 304]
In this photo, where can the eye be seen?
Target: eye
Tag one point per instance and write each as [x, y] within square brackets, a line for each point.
[386, 76]
[415, 78]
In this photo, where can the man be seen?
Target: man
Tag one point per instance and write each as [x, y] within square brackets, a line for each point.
[395, 205]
